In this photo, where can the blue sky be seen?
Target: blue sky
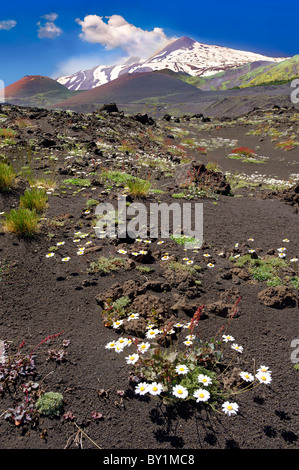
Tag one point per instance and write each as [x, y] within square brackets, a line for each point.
[53, 38]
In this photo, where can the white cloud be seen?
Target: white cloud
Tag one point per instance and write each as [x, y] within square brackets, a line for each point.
[49, 29]
[50, 17]
[118, 33]
[7, 25]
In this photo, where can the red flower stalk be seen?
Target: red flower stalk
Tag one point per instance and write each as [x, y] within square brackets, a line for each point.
[44, 341]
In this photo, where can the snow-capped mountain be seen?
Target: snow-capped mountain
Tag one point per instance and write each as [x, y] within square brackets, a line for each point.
[182, 55]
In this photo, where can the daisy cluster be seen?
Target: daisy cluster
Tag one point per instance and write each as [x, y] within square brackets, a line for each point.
[78, 237]
[184, 368]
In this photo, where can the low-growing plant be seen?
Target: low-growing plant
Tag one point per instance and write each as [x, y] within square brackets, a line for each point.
[91, 202]
[105, 265]
[50, 404]
[190, 368]
[78, 182]
[177, 266]
[22, 222]
[138, 187]
[7, 177]
[34, 199]
[115, 310]
[273, 270]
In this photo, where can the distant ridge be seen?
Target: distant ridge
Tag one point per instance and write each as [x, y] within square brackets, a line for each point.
[36, 90]
[130, 88]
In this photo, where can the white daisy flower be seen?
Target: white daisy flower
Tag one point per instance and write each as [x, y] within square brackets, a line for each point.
[264, 369]
[227, 338]
[201, 395]
[190, 337]
[204, 379]
[133, 316]
[210, 265]
[132, 359]
[238, 348]
[230, 408]
[154, 388]
[152, 333]
[247, 377]
[122, 342]
[293, 260]
[143, 347]
[49, 255]
[117, 323]
[165, 258]
[67, 258]
[188, 342]
[110, 345]
[142, 388]
[179, 391]
[181, 369]
[123, 252]
[60, 243]
[264, 377]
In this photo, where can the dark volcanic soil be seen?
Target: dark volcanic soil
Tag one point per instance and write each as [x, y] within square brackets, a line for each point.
[43, 296]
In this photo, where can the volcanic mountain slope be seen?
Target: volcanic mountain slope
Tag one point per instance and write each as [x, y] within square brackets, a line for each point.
[36, 90]
[157, 94]
[148, 87]
[249, 75]
[182, 55]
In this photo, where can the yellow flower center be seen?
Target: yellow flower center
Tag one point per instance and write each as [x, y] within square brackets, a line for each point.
[229, 407]
[180, 392]
[155, 389]
[201, 395]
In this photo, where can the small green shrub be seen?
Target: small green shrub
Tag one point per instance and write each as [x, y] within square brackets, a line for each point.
[22, 221]
[138, 187]
[34, 199]
[105, 265]
[77, 181]
[50, 404]
[7, 177]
